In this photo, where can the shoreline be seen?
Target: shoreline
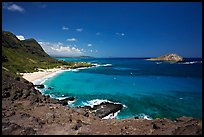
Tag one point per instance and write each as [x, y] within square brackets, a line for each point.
[39, 75]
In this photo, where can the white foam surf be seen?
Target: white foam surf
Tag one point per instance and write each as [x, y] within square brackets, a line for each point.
[102, 65]
[144, 116]
[112, 115]
[158, 62]
[94, 102]
[191, 62]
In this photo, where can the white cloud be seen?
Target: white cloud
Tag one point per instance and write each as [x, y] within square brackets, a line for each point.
[72, 39]
[98, 33]
[65, 28]
[79, 30]
[13, 7]
[120, 34]
[89, 45]
[20, 37]
[59, 49]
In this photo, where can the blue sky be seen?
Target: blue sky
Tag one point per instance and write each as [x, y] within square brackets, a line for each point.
[108, 29]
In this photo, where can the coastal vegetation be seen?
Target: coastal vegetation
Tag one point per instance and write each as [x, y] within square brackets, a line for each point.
[28, 56]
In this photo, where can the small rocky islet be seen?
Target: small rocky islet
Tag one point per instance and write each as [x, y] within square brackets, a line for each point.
[25, 111]
[172, 57]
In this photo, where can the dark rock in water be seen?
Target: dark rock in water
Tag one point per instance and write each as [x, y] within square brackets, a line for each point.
[64, 102]
[136, 117]
[50, 88]
[105, 108]
[39, 86]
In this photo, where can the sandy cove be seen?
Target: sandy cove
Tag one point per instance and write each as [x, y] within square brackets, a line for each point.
[31, 77]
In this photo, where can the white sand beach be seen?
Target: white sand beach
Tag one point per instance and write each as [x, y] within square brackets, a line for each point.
[40, 74]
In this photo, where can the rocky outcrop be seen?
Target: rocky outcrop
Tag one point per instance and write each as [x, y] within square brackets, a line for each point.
[65, 101]
[169, 57]
[106, 108]
[39, 86]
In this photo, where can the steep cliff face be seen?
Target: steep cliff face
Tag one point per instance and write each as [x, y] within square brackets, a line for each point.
[34, 48]
[169, 57]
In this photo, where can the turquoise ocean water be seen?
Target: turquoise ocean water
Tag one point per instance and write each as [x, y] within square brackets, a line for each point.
[146, 88]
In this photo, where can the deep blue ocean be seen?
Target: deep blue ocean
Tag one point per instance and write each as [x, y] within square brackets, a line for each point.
[154, 89]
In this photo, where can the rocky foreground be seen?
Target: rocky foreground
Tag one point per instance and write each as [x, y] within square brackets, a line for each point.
[26, 112]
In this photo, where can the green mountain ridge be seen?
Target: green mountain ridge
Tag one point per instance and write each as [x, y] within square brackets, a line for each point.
[27, 55]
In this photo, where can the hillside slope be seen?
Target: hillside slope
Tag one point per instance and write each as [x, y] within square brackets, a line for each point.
[27, 55]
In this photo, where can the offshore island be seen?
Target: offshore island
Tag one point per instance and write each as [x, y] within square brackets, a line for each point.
[25, 111]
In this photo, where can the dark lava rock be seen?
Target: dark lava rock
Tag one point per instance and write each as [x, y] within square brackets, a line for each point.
[155, 126]
[82, 111]
[39, 86]
[77, 125]
[183, 119]
[5, 94]
[188, 130]
[50, 88]
[28, 131]
[26, 93]
[9, 128]
[64, 102]
[106, 108]
[25, 115]
[15, 129]
[34, 99]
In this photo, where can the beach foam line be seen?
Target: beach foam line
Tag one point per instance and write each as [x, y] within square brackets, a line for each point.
[102, 65]
[45, 78]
